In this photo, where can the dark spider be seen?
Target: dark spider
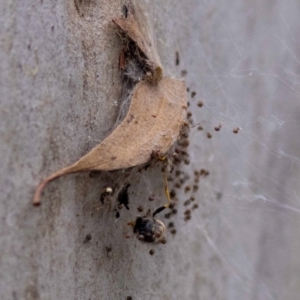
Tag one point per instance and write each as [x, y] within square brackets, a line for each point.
[148, 229]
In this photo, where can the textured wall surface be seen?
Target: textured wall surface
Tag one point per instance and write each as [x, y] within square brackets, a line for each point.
[60, 85]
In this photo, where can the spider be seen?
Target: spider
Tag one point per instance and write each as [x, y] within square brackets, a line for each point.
[148, 228]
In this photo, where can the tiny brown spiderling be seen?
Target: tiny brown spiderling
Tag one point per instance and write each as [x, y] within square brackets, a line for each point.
[183, 73]
[236, 130]
[200, 104]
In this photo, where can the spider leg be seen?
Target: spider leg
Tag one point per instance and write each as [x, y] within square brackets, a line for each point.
[167, 192]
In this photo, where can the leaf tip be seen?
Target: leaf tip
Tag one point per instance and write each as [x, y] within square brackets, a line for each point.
[38, 192]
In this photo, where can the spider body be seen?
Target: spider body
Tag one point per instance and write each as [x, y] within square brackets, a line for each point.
[148, 229]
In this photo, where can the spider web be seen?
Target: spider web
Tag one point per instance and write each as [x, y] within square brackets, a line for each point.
[242, 63]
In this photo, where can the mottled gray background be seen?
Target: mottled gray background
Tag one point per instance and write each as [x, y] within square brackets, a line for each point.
[60, 85]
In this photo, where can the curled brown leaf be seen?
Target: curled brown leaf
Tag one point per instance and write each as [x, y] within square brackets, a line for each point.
[153, 122]
[156, 113]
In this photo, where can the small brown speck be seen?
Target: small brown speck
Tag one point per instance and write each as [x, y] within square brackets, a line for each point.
[193, 94]
[108, 249]
[187, 212]
[202, 172]
[185, 135]
[151, 198]
[140, 208]
[173, 231]
[184, 153]
[175, 155]
[151, 252]
[200, 103]
[127, 236]
[129, 298]
[172, 205]
[187, 218]
[130, 118]
[163, 240]
[187, 202]
[183, 72]
[188, 89]
[236, 130]
[171, 225]
[195, 206]
[209, 136]
[174, 211]
[187, 161]
[187, 189]
[177, 185]
[195, 187]
[192, 198]
[177, 150]
[172, 194]
[113, 157]
[200, 128]
[177, 59]
[88, 237]
[168, 215]
[189, 114]
[176, 160]
[218, 128]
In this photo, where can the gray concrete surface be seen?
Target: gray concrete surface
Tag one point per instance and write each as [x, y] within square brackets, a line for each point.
[60, 86]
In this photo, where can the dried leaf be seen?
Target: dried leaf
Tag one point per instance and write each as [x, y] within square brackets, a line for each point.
[153, 123]
[133, 27]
